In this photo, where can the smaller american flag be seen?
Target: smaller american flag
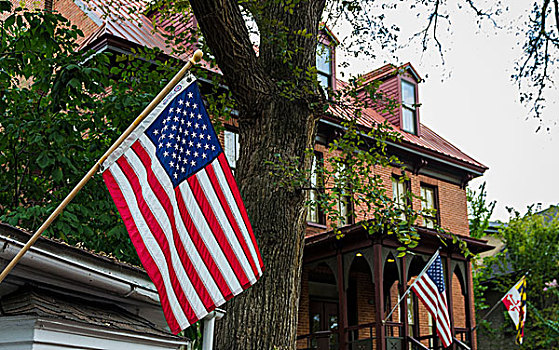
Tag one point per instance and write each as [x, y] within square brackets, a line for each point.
[430, 289]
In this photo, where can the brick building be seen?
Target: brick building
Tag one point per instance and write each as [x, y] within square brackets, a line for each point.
[349, 285]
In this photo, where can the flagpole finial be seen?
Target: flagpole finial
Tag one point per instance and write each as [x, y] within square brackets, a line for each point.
[196, 57]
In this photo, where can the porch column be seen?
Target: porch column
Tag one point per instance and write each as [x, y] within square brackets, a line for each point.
[450, 275]
[342, 300]
[404, 305]
[379, 296]
[469, 304]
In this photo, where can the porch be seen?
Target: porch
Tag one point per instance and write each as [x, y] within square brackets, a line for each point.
[350, 285]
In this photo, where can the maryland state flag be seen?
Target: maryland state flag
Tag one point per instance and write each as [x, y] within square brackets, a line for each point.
[515, 302]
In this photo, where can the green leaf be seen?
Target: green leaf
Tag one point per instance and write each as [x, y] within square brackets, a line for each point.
[75, 83]
[44, 160]
[5, 6]
[10, 20]
[57, 175]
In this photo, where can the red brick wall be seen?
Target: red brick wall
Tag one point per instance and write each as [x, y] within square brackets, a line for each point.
[458, 303]
[452, 203]
[365, 310]
[303, 323]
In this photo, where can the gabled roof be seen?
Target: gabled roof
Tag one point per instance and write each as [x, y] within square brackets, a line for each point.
[323, 26]
[131, 21]
[428, 139]
[389, 70]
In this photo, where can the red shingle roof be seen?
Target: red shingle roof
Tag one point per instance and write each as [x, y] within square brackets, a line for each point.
[387, 70]
[428, 139]
[130, 22]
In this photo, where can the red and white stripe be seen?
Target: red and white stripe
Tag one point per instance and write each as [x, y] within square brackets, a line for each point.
[195, 240]
[436, 304]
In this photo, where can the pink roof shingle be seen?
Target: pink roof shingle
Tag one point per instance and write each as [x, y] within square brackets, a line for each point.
[428, 139]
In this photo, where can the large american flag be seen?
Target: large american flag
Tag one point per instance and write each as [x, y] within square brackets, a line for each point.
[430, 289]
[181, 206]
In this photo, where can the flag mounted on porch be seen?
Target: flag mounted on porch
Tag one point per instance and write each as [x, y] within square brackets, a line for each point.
[515, 302]
[430, 289]
[181, 206]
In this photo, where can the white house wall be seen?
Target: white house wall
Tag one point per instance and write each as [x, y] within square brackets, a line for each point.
[32, 333]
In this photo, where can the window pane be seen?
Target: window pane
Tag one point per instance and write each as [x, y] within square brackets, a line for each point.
[324, 81]
[315, 323]
[323, 60]
[399, 195]
[408, 119]
[395, 194]
[312, 210]
[343, 206]
[410, 310]
[408, 94]
[231, 147]
[428, 203]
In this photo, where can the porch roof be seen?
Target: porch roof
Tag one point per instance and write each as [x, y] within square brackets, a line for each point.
[358, 232]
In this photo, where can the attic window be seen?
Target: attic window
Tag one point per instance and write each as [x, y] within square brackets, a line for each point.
[409, 108]
[324, 66]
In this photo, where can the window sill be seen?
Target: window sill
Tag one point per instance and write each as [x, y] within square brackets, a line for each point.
[316, 224]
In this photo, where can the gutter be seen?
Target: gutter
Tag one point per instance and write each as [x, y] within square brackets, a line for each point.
[78, 273]
[401, 147]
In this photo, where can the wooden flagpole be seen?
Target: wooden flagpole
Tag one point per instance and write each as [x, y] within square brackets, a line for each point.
[196, 57]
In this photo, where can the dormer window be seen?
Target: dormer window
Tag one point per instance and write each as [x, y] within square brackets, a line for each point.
[324, 66]
[409, 109]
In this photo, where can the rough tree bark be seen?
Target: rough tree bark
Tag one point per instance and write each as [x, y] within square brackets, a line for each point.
[265, 316]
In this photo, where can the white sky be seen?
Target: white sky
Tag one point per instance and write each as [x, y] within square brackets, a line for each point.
[472, 102]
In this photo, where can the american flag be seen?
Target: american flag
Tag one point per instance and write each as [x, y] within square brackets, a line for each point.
[430, 289]
[181, 206]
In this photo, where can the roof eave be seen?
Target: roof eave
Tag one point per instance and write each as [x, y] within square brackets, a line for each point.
[422, 151]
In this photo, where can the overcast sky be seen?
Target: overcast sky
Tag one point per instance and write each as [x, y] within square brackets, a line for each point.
[473, 103]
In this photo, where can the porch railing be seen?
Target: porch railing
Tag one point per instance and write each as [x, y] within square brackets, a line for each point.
[363, 337]
[463, 335]
[319, 340]
[416, 344]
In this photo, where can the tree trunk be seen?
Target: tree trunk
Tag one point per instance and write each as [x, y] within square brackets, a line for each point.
[265, 316]
[271, 122]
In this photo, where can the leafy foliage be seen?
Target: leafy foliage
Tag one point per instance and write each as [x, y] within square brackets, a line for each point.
[479, 211]
[60, 110]
[347, 174]
[532, 246]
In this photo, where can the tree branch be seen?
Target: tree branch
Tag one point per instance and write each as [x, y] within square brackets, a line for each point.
[556, 5]
[225, 32]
